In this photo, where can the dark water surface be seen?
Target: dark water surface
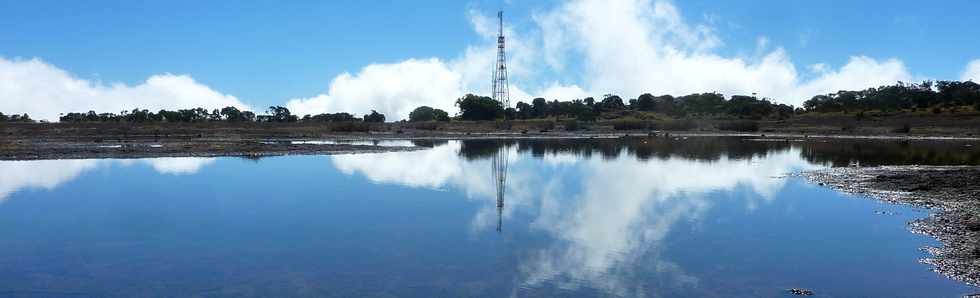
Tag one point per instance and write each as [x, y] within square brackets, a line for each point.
[696, 217]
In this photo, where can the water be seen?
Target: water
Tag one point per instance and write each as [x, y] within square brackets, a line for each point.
[702, 217]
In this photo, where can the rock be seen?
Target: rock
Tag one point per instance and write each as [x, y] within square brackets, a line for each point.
[974, 225]
[800, 292]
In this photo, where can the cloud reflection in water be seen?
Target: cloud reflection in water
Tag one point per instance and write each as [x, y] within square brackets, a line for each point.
[49, 174]
[607, 216]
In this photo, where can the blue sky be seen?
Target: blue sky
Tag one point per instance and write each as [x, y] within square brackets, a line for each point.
[269, 52]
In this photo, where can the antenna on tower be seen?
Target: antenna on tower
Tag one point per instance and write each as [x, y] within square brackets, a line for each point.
[500, 85]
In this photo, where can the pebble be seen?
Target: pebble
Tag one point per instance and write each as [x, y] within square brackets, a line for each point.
[801, 292]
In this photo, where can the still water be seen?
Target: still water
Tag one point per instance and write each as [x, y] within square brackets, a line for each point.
[697, 217]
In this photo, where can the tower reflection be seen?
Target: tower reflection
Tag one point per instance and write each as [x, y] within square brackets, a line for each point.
[499, 168]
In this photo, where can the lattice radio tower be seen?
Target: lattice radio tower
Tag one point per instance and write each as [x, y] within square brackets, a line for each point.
[500, 91]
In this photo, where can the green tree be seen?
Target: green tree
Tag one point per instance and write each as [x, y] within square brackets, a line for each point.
[645, 102]
[281, 114]
[473, 107]
[374, 117]
[423, 113]
[539, 108]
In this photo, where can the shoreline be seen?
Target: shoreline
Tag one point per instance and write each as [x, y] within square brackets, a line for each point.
[950, 193]
[61, 144]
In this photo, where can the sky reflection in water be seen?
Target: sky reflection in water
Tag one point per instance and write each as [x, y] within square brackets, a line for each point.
[698, 217]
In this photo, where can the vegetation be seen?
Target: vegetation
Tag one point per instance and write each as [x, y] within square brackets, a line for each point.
[474, 107]
[374, 117]
[736, 113]
[901, 96]
[426, 113]
[327, 117]
[15, 118]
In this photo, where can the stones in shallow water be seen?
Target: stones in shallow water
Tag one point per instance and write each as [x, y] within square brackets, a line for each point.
[800, 292]
[951, 190]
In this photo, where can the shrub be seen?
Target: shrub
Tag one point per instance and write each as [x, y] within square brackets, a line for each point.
[905, 128]
[630, 124]
[572, 125]
[743, 126]
[425, 113]
[546, 125]
[502, 125]
[675, 125]
[350, 127]
[428, 125]
[859, 116]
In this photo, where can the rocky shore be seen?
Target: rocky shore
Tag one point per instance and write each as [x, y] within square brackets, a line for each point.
[952, 191]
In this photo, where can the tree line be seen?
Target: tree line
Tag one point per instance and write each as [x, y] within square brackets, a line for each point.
[228, 114]
[15, 118]
[901, 96]
[474, 107]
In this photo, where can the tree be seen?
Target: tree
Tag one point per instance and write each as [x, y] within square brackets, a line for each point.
[524, 110]
[374, 117]
[232, 114]
[645, 102]
[441, 115]
[327, 117]
[539, 107]
[423, 113]
[611, 103]
[473, 107]
[281, 114]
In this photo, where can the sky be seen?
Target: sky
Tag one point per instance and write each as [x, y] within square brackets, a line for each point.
[393, 56]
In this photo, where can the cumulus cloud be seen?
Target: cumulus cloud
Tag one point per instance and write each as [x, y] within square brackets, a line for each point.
[625, 47]
[43, 91]
[391, 89]
[395, 89]
[636, 46]
[972, 72]
[571, 50]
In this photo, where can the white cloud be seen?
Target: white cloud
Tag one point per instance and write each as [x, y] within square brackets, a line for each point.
[43, 91]
[391, 89]
[818, 67]
[635, 46]
[571, 50]
[626, 47]
[972, 72]
[395, 89]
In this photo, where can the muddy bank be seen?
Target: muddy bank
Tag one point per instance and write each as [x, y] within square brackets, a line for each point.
[952, 191]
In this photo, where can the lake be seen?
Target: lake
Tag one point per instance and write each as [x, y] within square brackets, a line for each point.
[631, 217]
